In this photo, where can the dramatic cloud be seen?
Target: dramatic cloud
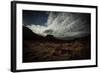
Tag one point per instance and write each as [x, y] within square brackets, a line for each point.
[64, 25]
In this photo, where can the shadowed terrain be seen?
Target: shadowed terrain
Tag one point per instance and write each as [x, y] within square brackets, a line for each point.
[37, 48]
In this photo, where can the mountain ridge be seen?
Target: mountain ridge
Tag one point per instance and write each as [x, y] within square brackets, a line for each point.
[30, 35]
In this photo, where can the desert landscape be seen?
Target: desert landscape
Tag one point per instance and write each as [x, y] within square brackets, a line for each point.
[40, 49]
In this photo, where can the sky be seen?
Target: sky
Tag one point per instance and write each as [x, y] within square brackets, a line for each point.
[62, 25]
[34, 17]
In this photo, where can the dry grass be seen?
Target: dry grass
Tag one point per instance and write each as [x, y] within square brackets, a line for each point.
[35, 51]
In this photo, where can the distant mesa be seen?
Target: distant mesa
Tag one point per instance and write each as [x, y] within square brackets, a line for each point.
[50, 36]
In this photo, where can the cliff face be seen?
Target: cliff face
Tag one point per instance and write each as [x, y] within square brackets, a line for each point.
[37, 48]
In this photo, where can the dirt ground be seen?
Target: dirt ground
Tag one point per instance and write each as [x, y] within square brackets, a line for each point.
[41, 50]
